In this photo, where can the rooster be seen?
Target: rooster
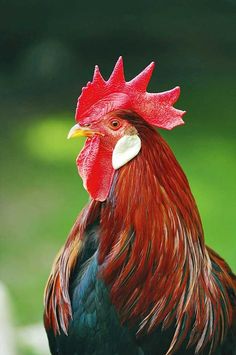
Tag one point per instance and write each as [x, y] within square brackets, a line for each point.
[135, 275]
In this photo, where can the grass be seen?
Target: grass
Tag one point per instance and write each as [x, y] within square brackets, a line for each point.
[42, 194]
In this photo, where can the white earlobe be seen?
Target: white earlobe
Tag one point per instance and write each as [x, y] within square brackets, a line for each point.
[126, 149]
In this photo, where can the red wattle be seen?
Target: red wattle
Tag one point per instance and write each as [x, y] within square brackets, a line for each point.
[95, 168]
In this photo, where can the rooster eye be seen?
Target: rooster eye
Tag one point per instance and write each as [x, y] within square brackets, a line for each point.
[114, 124]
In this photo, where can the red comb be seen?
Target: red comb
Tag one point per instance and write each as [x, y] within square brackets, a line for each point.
[100, 97]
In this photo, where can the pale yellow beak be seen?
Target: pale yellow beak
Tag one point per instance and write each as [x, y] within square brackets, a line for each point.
[78, 131]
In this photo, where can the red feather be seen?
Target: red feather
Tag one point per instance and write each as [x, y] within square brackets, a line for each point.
[166, 268]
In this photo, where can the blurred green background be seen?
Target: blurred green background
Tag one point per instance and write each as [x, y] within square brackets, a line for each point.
[48, 52]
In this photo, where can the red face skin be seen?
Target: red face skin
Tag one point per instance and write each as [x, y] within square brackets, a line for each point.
[111, 129]
[95, 160]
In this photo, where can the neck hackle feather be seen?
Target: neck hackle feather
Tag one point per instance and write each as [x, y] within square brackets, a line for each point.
[151, 253]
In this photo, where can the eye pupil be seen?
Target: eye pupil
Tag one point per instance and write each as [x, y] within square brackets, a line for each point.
[114, 124]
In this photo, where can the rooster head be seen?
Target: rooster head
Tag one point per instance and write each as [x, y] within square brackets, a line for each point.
[113, 141]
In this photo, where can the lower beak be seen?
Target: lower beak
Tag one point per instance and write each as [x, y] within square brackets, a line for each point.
[78, 131]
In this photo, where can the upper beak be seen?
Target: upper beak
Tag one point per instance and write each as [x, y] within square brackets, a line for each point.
[78, 131]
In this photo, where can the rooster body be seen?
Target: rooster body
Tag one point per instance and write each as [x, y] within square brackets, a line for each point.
[95, 326]
[135, 276]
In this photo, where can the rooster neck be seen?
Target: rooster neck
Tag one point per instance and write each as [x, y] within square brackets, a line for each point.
[152, 252]
[151, 206]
